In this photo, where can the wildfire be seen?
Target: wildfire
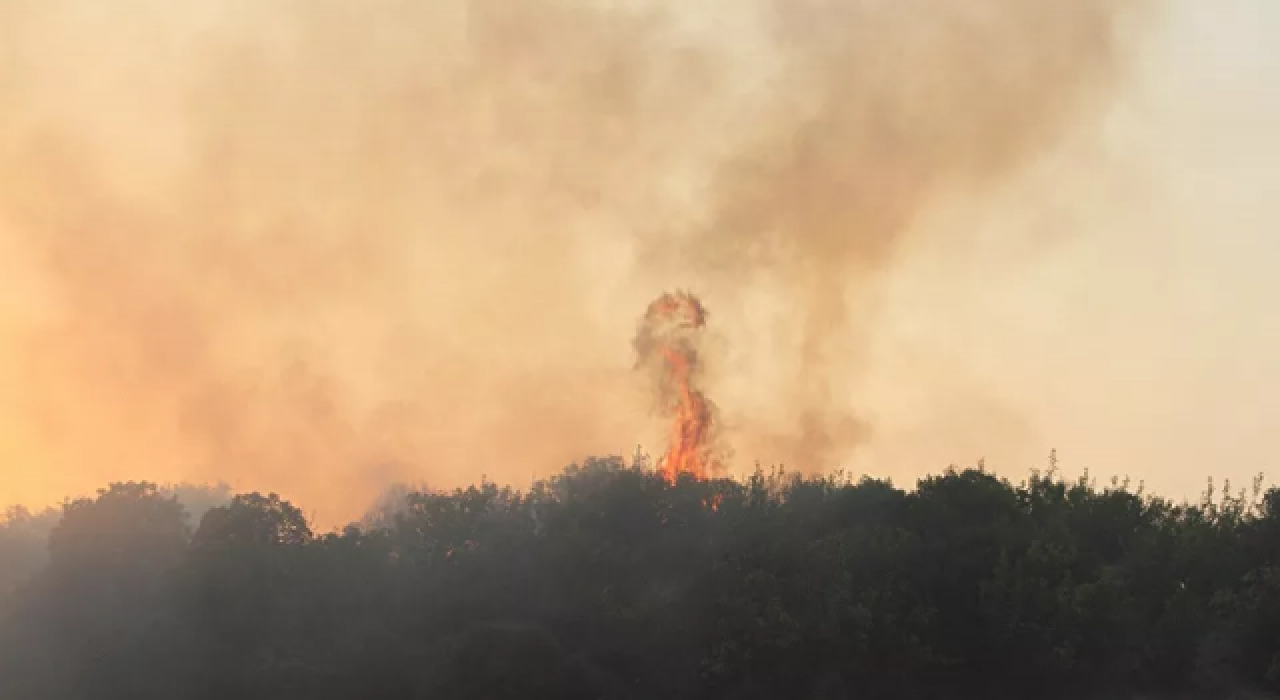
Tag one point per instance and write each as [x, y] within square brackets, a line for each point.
[667, 344]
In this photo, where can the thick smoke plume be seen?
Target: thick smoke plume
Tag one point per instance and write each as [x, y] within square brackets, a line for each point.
[319, 246]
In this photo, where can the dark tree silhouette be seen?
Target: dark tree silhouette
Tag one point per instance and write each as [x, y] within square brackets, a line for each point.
[607, 581]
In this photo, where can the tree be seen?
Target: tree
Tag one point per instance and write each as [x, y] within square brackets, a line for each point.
[108, 594]
[246, 588]
[610, 581]
[24, 545]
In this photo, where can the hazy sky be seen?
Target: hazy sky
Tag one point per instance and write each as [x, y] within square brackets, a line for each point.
[1145, 341]
[316, 250]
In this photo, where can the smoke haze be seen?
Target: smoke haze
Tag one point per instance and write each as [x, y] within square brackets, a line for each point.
[320, 246]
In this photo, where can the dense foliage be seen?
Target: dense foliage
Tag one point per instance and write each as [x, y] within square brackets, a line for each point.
[608, 582]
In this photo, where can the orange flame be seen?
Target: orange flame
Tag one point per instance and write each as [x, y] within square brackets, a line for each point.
[666, 342]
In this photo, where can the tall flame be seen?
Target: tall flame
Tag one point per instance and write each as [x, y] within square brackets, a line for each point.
[666, 344]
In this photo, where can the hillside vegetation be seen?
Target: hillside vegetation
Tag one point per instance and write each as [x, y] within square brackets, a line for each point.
[608, 581]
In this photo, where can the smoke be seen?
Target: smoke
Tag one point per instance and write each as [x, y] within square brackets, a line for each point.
[880, 107]
[317, 247]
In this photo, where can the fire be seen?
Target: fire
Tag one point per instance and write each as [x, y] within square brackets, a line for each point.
[667, 344]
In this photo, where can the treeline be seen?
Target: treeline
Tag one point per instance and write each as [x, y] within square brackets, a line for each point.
[608, 582]
[24, 535]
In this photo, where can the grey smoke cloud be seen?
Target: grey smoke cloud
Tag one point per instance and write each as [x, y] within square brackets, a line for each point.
[320, 246]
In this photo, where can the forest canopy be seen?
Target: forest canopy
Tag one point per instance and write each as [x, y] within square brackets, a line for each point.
[611, 581]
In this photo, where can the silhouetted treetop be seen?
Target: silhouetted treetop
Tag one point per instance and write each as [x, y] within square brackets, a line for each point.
[609, 581]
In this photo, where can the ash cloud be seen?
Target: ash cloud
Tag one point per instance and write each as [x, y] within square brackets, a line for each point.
[287, 243]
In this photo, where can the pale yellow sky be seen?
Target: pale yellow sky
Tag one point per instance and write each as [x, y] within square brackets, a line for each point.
[1144, 341]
